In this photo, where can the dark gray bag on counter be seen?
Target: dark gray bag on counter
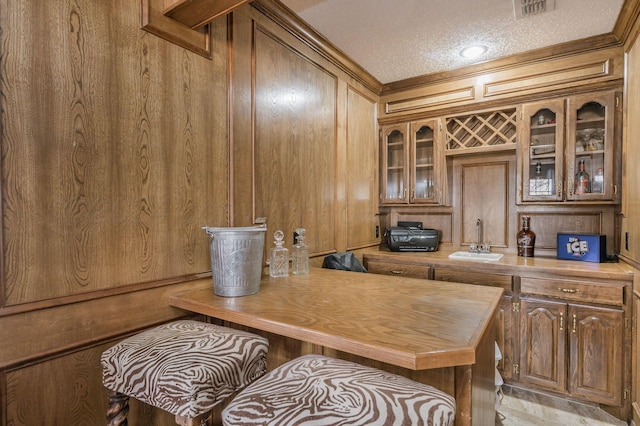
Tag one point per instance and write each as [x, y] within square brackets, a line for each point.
[343, 262]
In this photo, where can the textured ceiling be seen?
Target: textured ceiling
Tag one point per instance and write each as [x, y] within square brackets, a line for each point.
[398, 39]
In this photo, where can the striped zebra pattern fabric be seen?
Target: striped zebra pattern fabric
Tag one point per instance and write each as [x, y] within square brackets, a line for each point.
[318, 390]
[184, 367]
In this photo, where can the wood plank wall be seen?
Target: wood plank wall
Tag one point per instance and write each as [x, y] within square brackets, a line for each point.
[118, 146]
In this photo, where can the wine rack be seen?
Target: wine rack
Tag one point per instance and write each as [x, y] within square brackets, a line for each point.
[481, 130]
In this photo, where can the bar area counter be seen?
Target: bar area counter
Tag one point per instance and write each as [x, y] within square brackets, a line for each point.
[439, 333]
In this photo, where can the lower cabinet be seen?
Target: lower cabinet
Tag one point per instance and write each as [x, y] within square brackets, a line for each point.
[573, 349]
[504, 317]
[567, 336]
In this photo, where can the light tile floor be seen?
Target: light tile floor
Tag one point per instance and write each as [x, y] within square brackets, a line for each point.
[524, 408]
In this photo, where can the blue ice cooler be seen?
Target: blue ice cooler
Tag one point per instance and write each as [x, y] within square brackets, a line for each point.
[584, 247]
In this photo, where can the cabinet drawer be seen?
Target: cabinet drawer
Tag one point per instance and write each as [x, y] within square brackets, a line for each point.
[583, 291]
[478, 278]
[398, 269]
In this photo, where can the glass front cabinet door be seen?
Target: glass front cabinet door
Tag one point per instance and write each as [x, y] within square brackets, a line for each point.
[425, 163]
[543, 151]
[395, 164]
[591, 146]
[568, 148]
[411, 163]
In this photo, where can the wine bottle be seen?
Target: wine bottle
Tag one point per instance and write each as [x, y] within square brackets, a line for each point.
[583, 182]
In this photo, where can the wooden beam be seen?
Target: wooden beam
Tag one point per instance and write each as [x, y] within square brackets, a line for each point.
[152, 20]
[197, 13]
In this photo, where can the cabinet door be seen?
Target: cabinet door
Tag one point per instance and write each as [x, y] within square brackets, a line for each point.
[425, 165]
[504, 336]
[395, 164]
[542, 343]
[595, 353]
[591, 145]
[542, 150]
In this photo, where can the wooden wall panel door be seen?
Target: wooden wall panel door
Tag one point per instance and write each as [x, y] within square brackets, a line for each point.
[361, 172]
[295, 144]
[484, 188]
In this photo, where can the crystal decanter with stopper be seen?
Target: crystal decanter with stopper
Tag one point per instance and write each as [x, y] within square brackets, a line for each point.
[279, 264]
[300, 256]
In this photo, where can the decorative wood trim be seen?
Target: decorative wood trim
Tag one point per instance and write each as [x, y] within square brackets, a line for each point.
[153, 21]
[563, 50]
[197, 13]
[433, 100]
[542, 80]
[627, 20]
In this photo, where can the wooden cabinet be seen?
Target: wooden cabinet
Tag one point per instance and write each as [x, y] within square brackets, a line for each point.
[412, 163]
[570, 347]
[504, 317]
[551, 163]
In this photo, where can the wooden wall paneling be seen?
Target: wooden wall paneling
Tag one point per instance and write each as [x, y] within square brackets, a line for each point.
[630, 232]
[295, 143]
[241, 74]
[109, 168]
[361, 171]
[341, 164]
[39, 333]
[69, 391]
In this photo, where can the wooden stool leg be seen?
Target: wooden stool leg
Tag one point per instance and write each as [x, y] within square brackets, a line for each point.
[201, 420]
[118, 408]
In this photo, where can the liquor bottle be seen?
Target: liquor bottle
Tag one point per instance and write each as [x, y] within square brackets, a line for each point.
[583, 183]
[598, 181]
[526, 239]
[300, 256]
[279, 264]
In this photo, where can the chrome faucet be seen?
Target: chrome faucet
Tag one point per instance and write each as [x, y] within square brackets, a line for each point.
[479, 246]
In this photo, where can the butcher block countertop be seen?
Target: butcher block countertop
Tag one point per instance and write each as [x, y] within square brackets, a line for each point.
[411, 323]
[509, 264]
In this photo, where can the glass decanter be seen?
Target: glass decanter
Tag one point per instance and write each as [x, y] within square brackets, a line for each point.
[279, 264]
[300, 256]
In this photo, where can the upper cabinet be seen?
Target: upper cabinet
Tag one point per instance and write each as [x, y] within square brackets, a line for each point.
[412, 163]
[568, 148]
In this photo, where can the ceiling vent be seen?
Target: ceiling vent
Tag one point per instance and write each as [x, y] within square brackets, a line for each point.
[526, 8]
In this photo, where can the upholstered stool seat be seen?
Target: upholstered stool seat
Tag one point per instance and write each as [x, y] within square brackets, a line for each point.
[183, 367]
[318, 390]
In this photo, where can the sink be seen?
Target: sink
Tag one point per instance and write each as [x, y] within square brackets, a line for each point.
[484, 257]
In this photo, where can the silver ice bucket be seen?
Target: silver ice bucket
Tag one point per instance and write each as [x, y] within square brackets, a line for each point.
[236, 259]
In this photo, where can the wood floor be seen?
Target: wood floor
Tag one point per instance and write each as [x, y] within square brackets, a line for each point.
[524, 408]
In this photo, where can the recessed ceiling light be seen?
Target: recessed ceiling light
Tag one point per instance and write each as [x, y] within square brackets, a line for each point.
[473, 52]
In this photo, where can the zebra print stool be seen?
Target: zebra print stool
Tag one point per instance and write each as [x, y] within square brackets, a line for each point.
[183, 367]
[314, 389]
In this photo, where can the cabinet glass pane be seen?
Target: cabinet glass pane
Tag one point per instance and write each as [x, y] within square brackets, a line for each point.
[590, 149]
[542, 155]
[395, 165]
[424, 157]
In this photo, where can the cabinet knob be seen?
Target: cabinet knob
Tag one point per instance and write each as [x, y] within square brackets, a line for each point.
[568, 290]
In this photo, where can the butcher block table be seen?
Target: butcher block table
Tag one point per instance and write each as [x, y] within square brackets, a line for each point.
[439, 333]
